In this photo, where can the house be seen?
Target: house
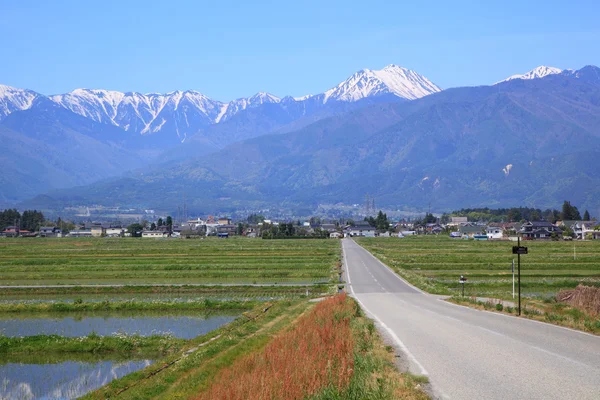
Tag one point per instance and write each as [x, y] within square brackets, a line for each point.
[224, 221]
[467, 231]
[582, 229]
[433, 229]
[80, 233]
[329, 227]
[50, 231]
[494, 232]
[154, 234]
[97, 230]
[114, 231]
[457, 221]
[15, 231]
[228, 229]
[539, 230]
[360, 229]
[335, 235]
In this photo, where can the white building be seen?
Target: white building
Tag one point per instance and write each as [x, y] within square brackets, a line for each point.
[154, 234]
[494, 232]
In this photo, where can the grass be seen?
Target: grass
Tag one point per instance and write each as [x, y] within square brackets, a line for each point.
[332, 352]
[132, 345]
[58, 307]
[546, 310]
[181, 376]
[136, 261]
[434, 264]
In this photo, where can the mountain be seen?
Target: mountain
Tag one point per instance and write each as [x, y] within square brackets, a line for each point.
[47, 147]
[523, 142]
[178, 115]
[392, 79]
[13, 99]
[535, 73]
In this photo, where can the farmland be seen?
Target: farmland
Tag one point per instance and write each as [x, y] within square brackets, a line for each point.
[166, 262]
[435, 263]
[132, 304]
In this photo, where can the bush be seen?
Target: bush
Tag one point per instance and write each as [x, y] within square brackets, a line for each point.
[499, 307]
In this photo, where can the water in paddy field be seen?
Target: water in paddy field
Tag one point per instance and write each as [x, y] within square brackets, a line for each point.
[73, 325]
[64, 380]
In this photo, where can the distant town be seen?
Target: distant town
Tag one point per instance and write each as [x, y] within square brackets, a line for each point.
[475, 224]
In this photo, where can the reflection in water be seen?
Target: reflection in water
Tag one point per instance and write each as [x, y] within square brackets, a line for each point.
[185, 327]
[67, 380]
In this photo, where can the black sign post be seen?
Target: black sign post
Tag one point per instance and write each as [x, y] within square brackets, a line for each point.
[462, 281]
[518, 250]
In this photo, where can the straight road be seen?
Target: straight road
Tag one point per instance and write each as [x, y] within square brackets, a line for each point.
[472, 354]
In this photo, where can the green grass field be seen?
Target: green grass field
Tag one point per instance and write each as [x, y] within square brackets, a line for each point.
[131, 261]
[435, 263]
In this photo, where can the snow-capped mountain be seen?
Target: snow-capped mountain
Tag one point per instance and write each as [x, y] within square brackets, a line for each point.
[185, 113]
[535, 73]
[392, 79]
[13, 99]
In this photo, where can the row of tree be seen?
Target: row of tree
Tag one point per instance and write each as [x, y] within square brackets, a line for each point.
[517, 214]
[30, 220]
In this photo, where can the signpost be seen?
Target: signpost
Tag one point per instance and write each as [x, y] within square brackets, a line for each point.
[518, 250]
[462, 281]
[513, 273]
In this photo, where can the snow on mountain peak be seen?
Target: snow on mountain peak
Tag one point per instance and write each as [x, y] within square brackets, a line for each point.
[392, 79]
[535, 73]
[13, 99]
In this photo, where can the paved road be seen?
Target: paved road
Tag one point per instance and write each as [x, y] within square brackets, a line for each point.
[472, 354]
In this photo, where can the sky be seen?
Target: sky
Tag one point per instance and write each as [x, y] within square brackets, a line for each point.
[233, 49]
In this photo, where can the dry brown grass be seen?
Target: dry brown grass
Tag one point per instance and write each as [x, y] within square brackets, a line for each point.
[316, 353]
[584, 297]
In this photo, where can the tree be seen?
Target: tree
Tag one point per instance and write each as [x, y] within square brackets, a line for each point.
[514, 215]
[569, 212]
[32, 220]
[153, 226]
[240, 229]
[135, 229]
[381, 222]
[160, 222]
[169, 223]
[586, 216]
[9, 217]
[535, 216]
[255, 219]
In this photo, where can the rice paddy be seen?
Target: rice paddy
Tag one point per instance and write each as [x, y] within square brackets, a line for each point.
[236, 261]
[435, 263]
[71, 309]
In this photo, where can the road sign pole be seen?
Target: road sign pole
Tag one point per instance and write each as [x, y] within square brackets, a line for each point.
[519, 272]
[513, 274]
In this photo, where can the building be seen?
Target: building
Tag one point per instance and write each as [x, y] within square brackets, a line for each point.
[80, 233]
[329, 227]
[154, 234]
[335, 235]
[539, 230]
[224, 221]
[15, 231]
[50, 231]
[360, 230]
[469, 231]
[494, 232]
[457, 221]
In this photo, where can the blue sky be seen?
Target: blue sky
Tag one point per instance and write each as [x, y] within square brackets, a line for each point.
[233, 49]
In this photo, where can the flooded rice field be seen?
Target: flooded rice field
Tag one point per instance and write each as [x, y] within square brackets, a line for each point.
[181, 325]
[63, 380]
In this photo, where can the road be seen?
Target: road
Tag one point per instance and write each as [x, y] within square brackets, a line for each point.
[472, 354]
